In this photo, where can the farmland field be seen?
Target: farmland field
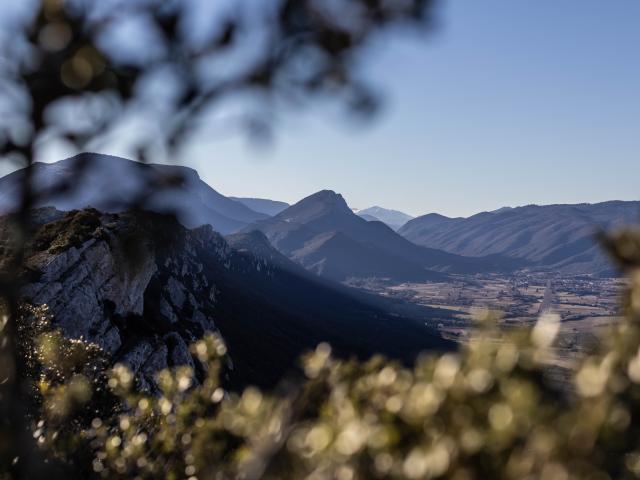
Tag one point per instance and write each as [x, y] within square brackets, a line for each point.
[586, 305]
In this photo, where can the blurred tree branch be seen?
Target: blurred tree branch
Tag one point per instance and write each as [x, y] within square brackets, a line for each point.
[101, 58]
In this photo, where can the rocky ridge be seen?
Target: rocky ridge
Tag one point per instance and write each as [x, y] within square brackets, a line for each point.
[109, 282]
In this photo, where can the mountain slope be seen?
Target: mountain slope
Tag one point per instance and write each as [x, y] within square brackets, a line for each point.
[256, 244]
[142, 287]
[559, 237]
[262, 205]
[368, 218]
[112, 183]
[392, 218]
[306, 232]
[335, 255]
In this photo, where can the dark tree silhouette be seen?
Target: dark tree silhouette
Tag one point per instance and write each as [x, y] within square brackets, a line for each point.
[72, 70]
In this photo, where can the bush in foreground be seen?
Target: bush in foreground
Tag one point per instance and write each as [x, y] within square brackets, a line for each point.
[488, 411]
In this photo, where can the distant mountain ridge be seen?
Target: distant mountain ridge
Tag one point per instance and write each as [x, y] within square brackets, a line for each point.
[393, 218]
[559, 237]
[322, 233]
[111, 183]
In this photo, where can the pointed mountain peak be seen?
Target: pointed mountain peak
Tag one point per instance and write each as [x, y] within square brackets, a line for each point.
[329, 199]
[328, 196]
[322, 204]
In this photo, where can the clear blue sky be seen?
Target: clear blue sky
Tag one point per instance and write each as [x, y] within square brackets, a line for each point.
[508, 103]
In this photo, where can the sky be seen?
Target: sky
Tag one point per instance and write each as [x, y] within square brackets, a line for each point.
[507, 103]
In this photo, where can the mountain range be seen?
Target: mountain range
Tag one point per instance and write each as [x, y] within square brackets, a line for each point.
[322, 233]
[562, 238]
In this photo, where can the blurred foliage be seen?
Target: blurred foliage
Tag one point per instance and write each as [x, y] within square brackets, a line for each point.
[487, 411]
[74, 70]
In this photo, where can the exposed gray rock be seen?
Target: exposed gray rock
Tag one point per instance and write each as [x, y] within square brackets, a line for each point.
[99, 291]
[138, 355]
[178, 350]
[77, 283]
[156, 361]
[167, 312]
[200, 319]
[177, 291]
[153, 363]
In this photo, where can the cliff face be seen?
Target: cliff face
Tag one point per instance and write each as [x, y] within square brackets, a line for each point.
[131, 283]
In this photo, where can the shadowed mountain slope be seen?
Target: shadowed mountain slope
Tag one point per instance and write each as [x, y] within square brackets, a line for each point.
[335, 255]
[255, 243]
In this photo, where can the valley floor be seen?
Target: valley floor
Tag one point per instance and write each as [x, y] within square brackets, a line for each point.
[586, 305]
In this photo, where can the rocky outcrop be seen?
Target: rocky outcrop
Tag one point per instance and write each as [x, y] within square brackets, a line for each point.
[80, 284]
[121, 282]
